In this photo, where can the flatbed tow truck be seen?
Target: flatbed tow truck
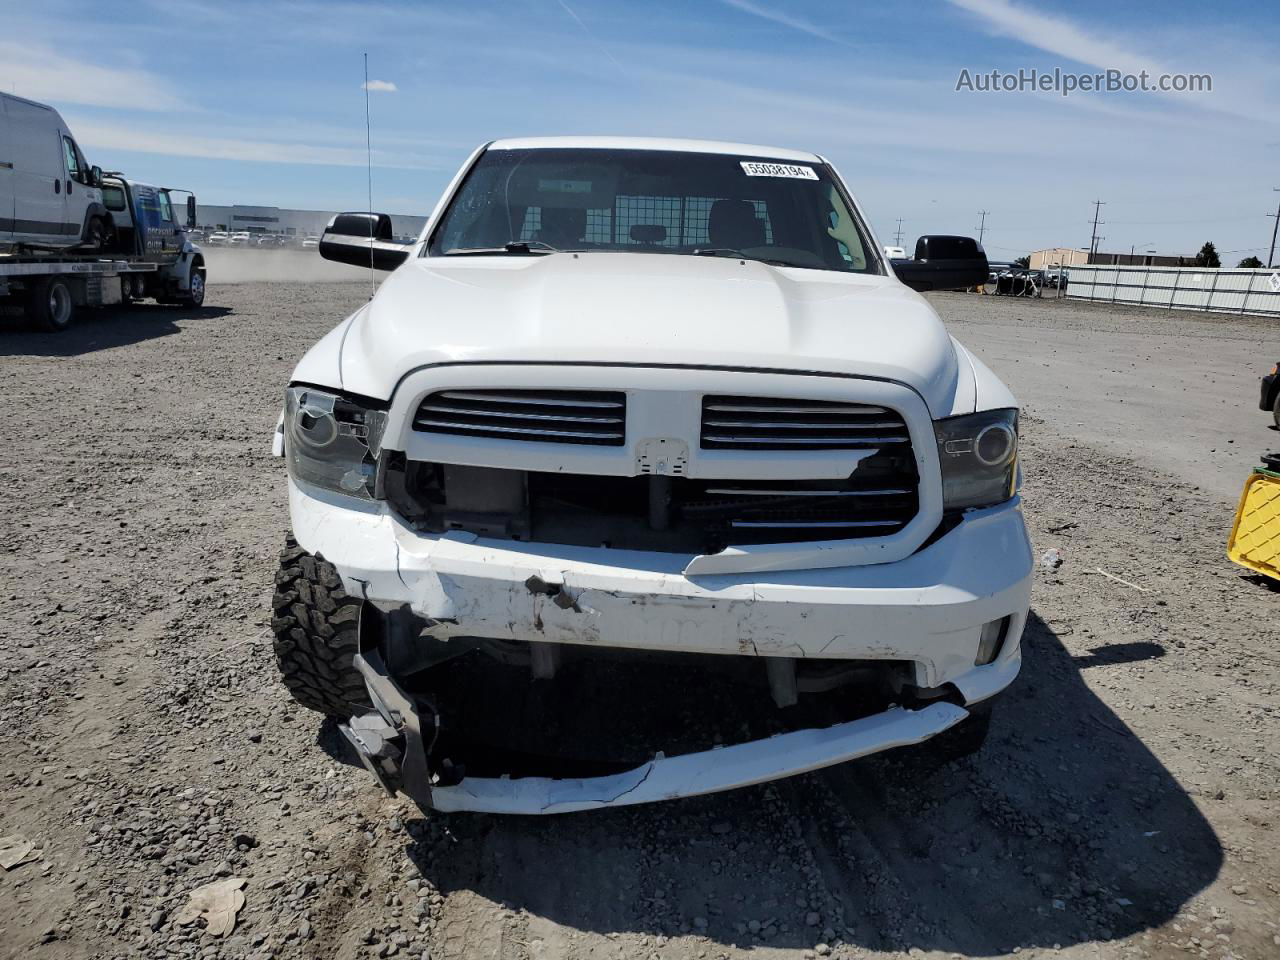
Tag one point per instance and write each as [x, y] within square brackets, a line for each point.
[147, 254]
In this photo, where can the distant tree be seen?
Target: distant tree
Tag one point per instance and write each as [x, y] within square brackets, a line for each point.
[1023, 262]
[1252, 262]
[1208, 256]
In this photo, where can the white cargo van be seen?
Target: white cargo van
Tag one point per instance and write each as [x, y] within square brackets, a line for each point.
[49, 195]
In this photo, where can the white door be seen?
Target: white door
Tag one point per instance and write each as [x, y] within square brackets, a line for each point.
[6, 177]
[39, 174]
[78, 190]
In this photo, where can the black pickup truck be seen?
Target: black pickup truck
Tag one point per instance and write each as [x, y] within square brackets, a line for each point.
[1271, 393]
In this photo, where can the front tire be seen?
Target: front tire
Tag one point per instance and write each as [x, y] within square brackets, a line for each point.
[965, 738]
[316, 626]
[194, 297]
[96, 235]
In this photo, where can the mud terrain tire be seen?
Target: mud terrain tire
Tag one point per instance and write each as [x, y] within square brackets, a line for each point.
[316, 626]
[965, 738]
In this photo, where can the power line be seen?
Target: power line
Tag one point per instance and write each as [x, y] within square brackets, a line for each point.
[897, 237]
[982, 227]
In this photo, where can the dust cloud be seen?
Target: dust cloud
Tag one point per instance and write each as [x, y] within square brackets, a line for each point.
[230, 265]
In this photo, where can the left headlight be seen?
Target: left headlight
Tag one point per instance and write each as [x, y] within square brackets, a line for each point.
[332, 441]
[979, 457]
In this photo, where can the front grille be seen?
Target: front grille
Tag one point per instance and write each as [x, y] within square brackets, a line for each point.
[756, 511]
[771, 423]
[672, 514]
[548, 416]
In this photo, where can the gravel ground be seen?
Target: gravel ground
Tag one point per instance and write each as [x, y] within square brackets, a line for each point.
[1125, 805]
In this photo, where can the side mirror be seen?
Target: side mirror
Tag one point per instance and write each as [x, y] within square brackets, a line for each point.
[95, 176]
[944, 263]
[363, 240]
[191, 211]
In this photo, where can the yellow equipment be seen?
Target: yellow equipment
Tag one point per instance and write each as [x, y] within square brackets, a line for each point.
[1255, 535]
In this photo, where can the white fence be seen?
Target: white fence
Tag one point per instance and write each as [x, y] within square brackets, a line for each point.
[1179, 288]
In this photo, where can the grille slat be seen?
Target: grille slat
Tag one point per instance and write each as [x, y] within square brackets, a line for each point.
[536, 398]
[738, 441]
[739, 492]
[810, 524]
[548, 416]
[766, 423]
[800, 425]
[513, 415]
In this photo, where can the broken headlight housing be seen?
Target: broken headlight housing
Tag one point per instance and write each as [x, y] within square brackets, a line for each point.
[331, 441]
[979, 457]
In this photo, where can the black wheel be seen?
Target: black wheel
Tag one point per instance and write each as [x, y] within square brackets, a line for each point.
[316, 626]
[50, 303]
[96, 234]
[965, 738]
[194, 297]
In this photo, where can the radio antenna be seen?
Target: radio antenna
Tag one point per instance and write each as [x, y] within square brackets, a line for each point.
[368, 167]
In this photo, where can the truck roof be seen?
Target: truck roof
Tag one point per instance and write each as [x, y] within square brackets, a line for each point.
[655, 143]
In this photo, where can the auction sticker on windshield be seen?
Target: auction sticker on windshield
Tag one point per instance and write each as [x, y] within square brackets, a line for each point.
[753, 168]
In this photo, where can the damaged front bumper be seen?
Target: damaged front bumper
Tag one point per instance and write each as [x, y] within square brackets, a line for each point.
[928, 610]
[390, 742]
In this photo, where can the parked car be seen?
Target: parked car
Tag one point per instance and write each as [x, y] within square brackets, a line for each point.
[49, 194]
[895, 253]
[310, 242]
[1271, 393]
[218, 238]
[635, 401]
[240, 239]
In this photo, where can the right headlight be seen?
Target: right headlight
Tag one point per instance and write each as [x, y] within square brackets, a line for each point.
[332, 441]
[979, 457]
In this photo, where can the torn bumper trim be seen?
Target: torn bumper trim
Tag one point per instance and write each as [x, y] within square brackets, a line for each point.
[690, 775]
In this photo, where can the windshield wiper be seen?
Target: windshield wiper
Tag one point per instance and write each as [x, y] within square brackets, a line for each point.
[522, 247]
[731, 252]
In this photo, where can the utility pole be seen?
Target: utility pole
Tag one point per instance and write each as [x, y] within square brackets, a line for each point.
[982, 227]
[897, 237]
[1094, 239]
[1272, 255]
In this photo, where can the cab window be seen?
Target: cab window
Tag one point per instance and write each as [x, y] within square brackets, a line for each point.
[73, 163]
[113, 198]
[166, 208]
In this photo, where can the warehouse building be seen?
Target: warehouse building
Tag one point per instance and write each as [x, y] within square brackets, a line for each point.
[290, 223]
[1055, 257]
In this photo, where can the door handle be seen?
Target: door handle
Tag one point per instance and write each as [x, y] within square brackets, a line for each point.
[5, 165]
[57, 186]
[68, 188]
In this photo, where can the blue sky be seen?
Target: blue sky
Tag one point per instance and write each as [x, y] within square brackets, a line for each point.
[262, 102]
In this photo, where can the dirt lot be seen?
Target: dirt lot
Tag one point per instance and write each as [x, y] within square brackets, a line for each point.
[1125, 806]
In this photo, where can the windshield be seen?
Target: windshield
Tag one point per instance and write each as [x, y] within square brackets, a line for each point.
[542, 201]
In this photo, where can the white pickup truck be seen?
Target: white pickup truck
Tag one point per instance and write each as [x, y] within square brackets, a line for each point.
[651, 399]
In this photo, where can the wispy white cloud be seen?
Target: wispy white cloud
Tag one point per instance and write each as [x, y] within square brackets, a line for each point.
[1065, 38]
[1057, 35]
[181, 144]
[785, 19]
[379, 86]
[591, 36]
[40, 73]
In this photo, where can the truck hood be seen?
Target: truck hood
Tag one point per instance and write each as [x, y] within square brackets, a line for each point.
[606, 307]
